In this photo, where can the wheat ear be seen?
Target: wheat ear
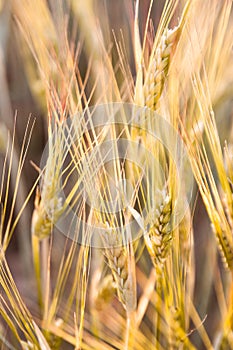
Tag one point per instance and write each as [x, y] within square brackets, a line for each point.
[48, 203]
[159, 236]
[119, 262]
[160, 62]
[120, 258]
[178, 337]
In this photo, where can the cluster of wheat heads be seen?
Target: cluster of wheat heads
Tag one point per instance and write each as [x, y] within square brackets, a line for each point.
[141, 268]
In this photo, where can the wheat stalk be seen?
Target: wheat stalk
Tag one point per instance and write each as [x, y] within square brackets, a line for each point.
[227, 196]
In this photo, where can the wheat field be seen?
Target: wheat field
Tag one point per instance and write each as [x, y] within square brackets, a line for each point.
[116, 174]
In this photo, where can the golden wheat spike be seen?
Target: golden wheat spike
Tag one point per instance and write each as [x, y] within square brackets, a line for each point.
[159, 237]
[160, 62]
[119, 262]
